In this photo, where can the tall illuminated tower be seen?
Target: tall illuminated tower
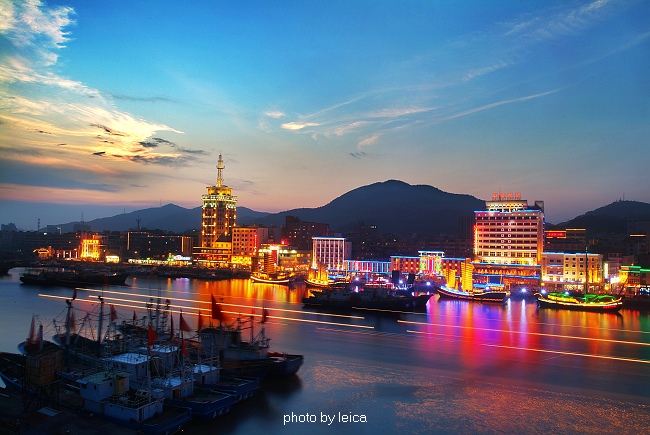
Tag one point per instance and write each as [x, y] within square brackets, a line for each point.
[219, 210]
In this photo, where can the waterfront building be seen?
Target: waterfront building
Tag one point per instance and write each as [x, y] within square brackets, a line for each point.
[246, 242]
[219, 213]
[572, 271]
[509, 231]
[156, 245]
[509, 241]
[368, 270]
[274, 258]
[330, 252]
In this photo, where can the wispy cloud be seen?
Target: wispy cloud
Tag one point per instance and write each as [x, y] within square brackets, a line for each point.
[559, 21]
[34, 98]
[298, 125]
[496, 104]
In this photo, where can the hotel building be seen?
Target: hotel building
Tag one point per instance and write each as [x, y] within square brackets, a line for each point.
[508, 241]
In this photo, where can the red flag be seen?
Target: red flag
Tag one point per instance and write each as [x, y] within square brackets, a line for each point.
[152, 336]
[200, 326]
[184, 348]
[73, 327]
[265, 314]
[216, 310]
[184, 325]
[113, 313]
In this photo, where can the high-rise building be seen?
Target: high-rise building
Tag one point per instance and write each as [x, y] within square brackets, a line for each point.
[508, 241]
[217, 220]
[219, 210]
[509, 231]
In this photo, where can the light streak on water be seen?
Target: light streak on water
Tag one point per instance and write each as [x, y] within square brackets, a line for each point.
[220, 303]
[290, 319]
[558, 352]
[541, 334]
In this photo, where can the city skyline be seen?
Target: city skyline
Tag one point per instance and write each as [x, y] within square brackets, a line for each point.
[112, 107]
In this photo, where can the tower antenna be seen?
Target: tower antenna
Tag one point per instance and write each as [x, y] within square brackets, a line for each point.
[220, 168]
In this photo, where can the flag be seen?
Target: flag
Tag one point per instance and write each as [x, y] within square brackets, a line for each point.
[73, 327]
[265, 314]
[184, 348]
[113, 313]
[152, 336]
[216, 310]
[184, 325]
[200, 326]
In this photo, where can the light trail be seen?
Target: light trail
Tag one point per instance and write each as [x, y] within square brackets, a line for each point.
[220, 303]
[290, 319]
[540, 334]
[558, 352]
[379, 333]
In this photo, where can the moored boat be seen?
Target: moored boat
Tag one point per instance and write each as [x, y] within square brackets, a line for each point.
[50, 277]
[367, 299]
[272, 278]
[480, 295]
[579, 301]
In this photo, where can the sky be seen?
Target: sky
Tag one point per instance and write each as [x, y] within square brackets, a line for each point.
[110, 107]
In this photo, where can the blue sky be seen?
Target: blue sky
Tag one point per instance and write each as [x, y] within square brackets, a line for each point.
[114, 106]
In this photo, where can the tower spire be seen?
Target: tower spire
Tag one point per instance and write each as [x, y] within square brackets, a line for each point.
[220, 168]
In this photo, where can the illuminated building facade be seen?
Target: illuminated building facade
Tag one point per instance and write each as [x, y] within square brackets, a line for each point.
[330, 252]
[219, 210]
[274, 258]
[573, 271]
[509, 231]
[219, 213]
[90, 249]
[246, 242]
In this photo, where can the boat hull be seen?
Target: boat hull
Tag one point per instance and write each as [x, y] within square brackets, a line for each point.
[489, 296]
[599, 307]
[415, 303]
[48, 279]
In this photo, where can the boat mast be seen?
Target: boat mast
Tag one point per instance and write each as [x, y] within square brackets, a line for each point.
[587, 269]
[101, 324]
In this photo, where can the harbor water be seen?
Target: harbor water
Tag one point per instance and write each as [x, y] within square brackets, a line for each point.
[459, 367]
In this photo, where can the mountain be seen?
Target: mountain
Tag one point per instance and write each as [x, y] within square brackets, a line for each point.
[612, 218]
[169, 217]
[394, 207]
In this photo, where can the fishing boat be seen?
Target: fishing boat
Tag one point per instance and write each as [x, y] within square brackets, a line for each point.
[368, 299]
[572, 300]
[478, 294]
[239, 356]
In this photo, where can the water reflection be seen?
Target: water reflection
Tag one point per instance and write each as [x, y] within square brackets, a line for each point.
[459, 367]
